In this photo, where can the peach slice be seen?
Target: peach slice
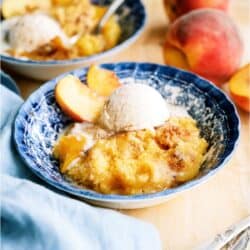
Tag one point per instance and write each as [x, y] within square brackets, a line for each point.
[90, 44]
[99, 12]
[77, 100]
[102, 81]
[67, 149]
[111, 32]
[239, 87]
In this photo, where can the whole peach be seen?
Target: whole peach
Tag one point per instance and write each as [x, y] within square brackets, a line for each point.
[176, 8]
[205, 41]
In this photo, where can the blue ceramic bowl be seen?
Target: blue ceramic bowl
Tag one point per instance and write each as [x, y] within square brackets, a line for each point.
[40, 121]
[132, 18]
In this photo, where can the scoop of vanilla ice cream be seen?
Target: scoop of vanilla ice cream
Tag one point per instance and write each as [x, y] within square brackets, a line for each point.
[134, 107]
[31, 31]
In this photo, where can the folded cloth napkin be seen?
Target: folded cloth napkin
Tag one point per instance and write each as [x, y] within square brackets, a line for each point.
[34, 217]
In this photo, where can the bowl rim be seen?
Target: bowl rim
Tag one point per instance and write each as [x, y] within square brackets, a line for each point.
[124, 44]
[95, 196]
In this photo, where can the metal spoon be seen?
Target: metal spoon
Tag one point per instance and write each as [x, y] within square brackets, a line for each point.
[110, 11]
[222, 239]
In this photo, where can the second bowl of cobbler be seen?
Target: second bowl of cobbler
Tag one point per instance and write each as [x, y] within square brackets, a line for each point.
[44, 39]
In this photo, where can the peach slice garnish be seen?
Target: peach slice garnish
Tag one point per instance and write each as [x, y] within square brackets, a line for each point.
[77, 100]
[102, 81]
[239, 87]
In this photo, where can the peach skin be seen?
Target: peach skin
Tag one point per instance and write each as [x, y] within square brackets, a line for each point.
[205, 41]
[77, 100]
[176, 8]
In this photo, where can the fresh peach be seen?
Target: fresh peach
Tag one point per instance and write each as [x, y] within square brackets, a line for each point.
[102, 81]
[239, 87]
[206, 42]
[176, 8]
[77, 100]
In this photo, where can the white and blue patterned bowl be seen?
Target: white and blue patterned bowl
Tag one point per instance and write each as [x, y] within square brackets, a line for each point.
[40, 121]
[132, 17]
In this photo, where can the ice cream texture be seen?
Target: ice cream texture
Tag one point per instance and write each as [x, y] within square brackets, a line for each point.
[134, 107]
[31, 31]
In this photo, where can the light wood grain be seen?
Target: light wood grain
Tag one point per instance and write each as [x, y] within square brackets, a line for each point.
[199, 214]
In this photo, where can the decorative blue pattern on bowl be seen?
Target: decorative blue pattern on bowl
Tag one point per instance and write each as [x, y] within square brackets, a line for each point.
[131, 16]
[40, 121]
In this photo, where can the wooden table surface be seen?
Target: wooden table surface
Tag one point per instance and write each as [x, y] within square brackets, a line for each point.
[199, 214]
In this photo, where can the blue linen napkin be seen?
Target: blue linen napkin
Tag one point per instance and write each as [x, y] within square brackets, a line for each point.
[8, 82]
[34, 217]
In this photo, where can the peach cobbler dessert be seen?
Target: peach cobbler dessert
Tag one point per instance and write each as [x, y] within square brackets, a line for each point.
[133, 144]
[56, 29]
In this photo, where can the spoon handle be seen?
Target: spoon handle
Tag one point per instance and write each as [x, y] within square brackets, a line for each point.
[110, 11]
[222, 239]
